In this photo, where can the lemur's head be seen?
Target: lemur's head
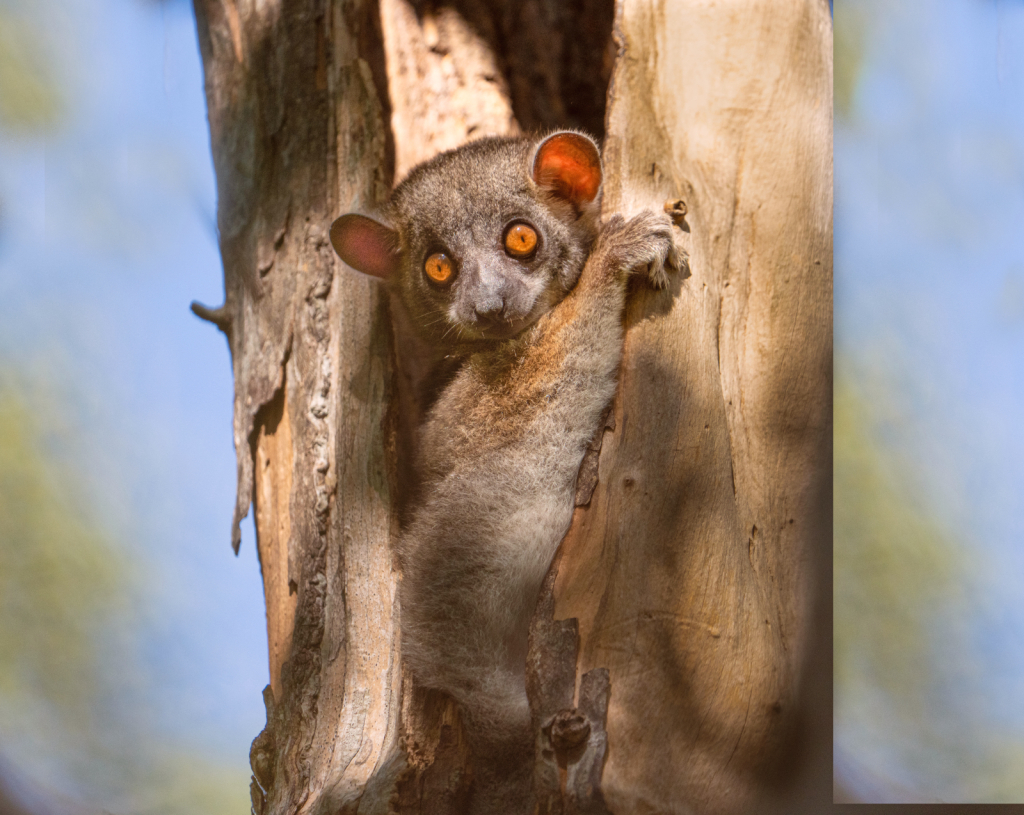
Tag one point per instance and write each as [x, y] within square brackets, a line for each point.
[483, 240]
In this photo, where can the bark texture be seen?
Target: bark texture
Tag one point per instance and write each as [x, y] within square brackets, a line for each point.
[694, 570]
[463, 69]
[673, 651]
[299, 134]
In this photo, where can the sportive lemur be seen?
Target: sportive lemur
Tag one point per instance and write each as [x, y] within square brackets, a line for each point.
[497, 253]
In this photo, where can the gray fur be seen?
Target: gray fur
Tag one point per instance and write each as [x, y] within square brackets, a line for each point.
[502, 445]
[461, 202]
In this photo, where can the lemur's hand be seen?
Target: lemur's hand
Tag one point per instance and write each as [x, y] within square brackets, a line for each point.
[642, 245]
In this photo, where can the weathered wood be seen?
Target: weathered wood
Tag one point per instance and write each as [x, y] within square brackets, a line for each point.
[691, 572]
[445, 81]
[463, 69]
[569, 724]
[299, 135]
[272, 493]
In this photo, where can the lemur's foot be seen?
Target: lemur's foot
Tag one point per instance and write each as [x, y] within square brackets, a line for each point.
[642, 245]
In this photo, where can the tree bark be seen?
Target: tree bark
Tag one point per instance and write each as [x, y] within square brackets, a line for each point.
[299, 133]
[694, 569]
[671, 652]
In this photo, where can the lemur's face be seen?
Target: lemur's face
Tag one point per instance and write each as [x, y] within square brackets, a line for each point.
[489, 237]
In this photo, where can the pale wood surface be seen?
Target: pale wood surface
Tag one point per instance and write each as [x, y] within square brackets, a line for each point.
[692, 571]
[445, 83]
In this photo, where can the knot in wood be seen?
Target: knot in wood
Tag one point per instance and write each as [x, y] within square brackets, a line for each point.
[675, 208]
[261, 759]
[569, 729]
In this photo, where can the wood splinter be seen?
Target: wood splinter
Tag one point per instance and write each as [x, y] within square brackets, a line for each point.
[220, 317]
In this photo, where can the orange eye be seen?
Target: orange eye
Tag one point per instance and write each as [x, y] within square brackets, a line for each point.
[520, 240]
[439, 267]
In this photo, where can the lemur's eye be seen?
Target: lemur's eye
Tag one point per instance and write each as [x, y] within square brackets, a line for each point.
[439, 267]
[520, 240]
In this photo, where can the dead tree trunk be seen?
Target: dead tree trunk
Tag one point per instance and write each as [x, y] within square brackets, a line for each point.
[692, 572]
[690, 576]
[299, 133]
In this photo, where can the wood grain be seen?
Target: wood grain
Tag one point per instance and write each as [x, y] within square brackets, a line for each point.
[694, 570]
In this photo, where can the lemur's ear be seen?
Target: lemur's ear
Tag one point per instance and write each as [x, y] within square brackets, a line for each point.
[569, 165]
[366, 245]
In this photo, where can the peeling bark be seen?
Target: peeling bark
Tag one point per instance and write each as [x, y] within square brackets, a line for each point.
[298, 134]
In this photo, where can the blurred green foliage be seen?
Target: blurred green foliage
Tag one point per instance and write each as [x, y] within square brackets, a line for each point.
[909, 684]
[60, 582]
[897, 574]
[74, 689]
[848, 43]
[895, 567]
[29, 97]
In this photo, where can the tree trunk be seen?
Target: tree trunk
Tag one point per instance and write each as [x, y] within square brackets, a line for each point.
[692, 571]
[677, 620]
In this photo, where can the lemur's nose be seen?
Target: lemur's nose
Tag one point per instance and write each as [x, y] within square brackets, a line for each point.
[489, 308]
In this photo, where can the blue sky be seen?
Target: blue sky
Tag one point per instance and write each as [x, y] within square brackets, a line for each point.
[106, 235]
[929, 207]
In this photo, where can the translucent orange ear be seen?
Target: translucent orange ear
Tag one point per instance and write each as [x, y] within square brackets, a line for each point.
[365, 245]
[569, 165]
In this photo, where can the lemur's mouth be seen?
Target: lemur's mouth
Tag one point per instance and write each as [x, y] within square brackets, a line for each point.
[502, 328]
[492, 327]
